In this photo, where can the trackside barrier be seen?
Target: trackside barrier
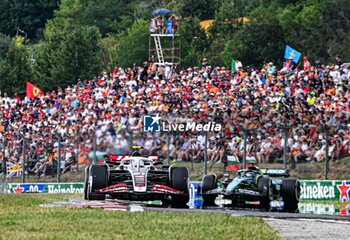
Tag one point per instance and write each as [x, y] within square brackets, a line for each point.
[330, 190]
[77, 187]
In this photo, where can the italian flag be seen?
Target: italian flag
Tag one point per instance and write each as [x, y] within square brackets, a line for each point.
[233, 65]
[233, 163]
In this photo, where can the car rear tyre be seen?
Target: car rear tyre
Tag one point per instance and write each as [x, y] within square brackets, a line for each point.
[265, 188]
[209, 183]
[97, 180]
[290, 192]
[179, 181]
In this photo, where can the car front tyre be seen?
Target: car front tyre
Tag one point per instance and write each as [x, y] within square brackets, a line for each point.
[290, 192]
[97, 180]
[209, 182]
[265, 188]
[179, 181]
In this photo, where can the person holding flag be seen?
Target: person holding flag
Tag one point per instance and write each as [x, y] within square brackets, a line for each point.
[235, 65]
[292, 57]
[291, 53]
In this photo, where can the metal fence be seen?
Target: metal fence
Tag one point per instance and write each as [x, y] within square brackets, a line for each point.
[69, 152]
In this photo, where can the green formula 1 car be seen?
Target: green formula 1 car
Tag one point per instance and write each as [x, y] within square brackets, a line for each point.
[254, 187]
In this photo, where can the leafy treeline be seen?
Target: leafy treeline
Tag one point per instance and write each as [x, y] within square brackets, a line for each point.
[77, 39]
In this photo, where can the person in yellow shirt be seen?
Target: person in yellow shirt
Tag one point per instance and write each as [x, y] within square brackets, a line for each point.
[311, 99]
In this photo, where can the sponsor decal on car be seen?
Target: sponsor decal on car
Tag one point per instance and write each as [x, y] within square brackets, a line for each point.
[249, 192]
[159, 188]
[120, 187]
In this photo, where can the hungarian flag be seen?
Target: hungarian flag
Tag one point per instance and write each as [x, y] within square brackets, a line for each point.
[233, 163]
[33, 91]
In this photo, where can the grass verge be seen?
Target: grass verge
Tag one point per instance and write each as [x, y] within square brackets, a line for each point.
[22, 218]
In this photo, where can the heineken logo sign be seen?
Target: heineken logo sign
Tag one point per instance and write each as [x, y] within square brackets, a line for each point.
[46, 187]
[333, 190]
[59, 188]
[317, 191]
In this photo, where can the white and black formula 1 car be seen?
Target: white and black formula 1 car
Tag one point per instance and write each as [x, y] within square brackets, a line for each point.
[137, 178]
[254, 187]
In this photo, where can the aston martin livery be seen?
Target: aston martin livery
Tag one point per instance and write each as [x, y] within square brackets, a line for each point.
[254, 187]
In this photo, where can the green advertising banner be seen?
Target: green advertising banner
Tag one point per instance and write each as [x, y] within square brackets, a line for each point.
[46, 187]
[331, 190]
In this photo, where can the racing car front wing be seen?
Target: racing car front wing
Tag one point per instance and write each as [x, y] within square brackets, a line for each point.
[237, 192]
[122, 188]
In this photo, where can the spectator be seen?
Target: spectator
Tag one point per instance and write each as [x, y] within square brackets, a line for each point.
[112, 106]
[160, 24]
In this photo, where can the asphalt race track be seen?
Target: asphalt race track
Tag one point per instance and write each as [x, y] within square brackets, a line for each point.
[255, 213]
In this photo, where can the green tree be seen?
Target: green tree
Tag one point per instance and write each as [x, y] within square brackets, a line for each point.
[5, 76]
[258, 41]
[301, 25]
[76, 56]
[335, 27]
[216, 47]
[132, 46]
[72, 50]
[319, 29]
[194, 42]
[109, 16]
[108, 44]
[15, 69]
[228, 21]
[227, 18]
[5, 42]
[201, 9]
[30, 16]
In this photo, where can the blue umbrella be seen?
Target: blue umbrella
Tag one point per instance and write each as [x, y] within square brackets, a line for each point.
[162, 11]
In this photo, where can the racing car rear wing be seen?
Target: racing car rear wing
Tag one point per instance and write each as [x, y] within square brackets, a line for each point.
[118, 158]
[276, 172]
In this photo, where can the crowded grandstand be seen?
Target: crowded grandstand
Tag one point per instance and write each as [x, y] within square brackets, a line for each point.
[109, 110]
